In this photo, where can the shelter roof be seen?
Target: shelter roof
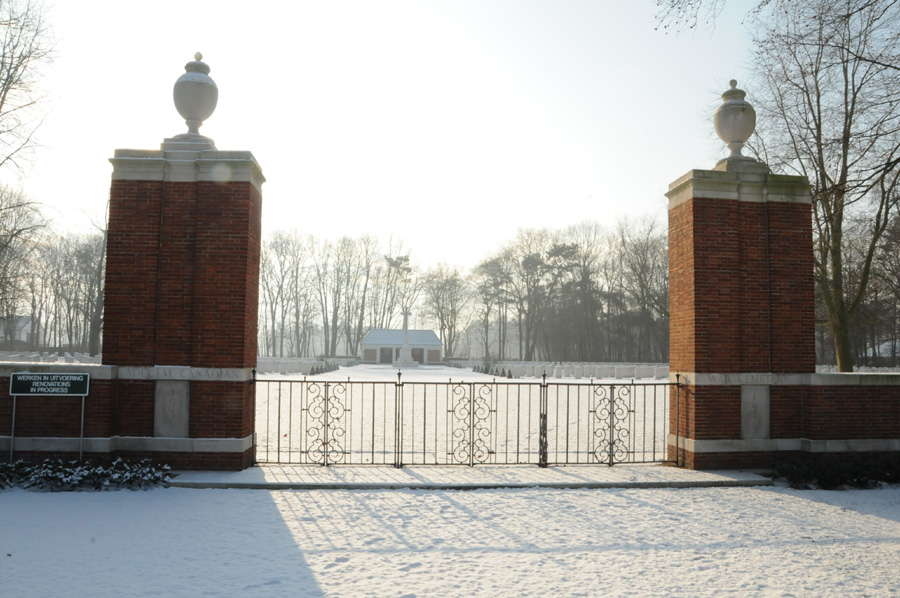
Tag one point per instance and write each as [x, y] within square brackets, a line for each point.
[395, 337]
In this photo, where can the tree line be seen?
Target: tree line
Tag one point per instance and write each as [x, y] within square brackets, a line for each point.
[584, 293]
[51, 284]
[587, 292]
[825, 79]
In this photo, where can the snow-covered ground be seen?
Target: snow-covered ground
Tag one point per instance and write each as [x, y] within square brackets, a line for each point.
[525, 542]
[365, 372]
[509, 542]
[440, 373]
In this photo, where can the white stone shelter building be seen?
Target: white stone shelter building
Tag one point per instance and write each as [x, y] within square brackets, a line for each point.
[383, 346]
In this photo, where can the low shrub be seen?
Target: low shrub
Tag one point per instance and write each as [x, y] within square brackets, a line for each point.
[56, 475]
[12, 473]
[831, 472]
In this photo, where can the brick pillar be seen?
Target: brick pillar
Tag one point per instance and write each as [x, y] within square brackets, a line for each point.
[180, 314]
[741, 296]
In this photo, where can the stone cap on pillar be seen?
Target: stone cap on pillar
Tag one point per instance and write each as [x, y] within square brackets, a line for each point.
[189, 156]
[187, 166]
[738, 177]
[739, 185]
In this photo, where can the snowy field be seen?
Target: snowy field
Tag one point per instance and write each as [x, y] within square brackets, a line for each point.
[530, 542]
[424, 373]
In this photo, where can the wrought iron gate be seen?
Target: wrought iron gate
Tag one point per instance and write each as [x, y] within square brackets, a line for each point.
[461, 423]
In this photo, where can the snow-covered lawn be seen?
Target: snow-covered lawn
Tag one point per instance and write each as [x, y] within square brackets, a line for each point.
[527, 542]
[386, 373]
[423, 373]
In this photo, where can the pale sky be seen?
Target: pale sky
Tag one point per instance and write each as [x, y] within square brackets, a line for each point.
[449, 123]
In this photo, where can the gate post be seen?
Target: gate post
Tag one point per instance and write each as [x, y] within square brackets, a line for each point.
[741, 296]
[181, 294]
[542, 434]
[398, 423]
[611, 444]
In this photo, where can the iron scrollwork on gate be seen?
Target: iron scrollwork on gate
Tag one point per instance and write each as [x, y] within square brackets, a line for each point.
[611, 411]
[470, 423]
[326, 428]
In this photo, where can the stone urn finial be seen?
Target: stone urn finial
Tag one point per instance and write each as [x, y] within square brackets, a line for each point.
[195, 94]
[735, 120]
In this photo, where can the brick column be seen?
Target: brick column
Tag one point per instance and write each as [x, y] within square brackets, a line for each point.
[180, 317]
[741, 296]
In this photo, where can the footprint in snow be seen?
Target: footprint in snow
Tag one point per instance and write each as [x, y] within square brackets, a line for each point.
[411, 566]
[256, 586]
[337, 561]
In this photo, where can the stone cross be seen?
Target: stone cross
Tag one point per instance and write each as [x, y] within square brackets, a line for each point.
[406, 315]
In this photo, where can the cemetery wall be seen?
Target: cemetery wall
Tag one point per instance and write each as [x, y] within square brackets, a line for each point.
[119, 421]
[830, 414]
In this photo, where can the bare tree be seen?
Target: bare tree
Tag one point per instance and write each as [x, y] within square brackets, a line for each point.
[680, 15]
[834, 117]
[20, 222]
[38, 290]
[277, 267]
[494, 284]
[389, 274]
[527, 273]
[645, 258]
[344, 284]
[541, 267]
[301, 303]
[325, 287]
[25, 50]
[357, 260]
[684, 15]
[65, 291]
[888, 274]
[447, 297]
[90, 260]
[585, 305]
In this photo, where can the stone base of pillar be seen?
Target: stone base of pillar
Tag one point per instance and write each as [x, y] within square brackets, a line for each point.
[758, 420]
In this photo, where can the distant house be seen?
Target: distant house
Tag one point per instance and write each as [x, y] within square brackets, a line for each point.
[383, 346]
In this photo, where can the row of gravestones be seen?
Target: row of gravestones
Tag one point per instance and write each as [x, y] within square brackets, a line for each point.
[577, 371]
[825, 369]
[306, 367]
[45, 357]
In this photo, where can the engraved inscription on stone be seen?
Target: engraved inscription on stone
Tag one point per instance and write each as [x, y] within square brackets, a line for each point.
[744, 379]
[754, 412]
[172, 409]
[183, 373]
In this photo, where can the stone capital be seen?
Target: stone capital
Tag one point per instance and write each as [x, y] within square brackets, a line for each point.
[740, 184]
[187, 163]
